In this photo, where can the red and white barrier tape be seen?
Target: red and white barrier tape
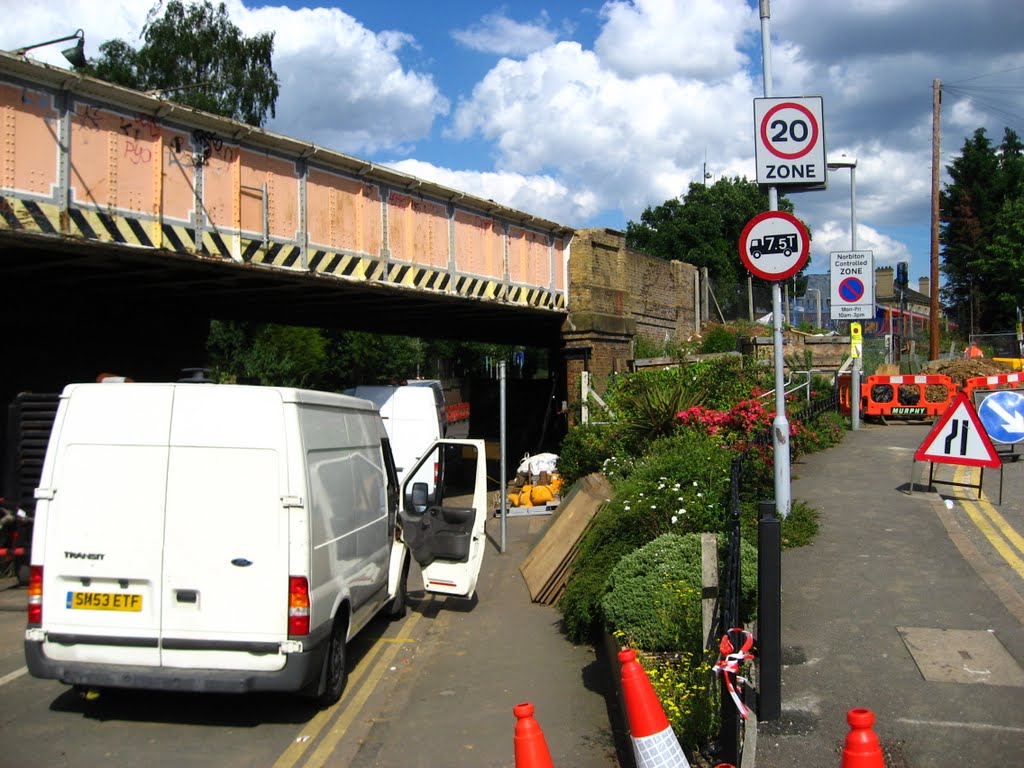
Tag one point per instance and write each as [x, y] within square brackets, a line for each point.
[729, 665]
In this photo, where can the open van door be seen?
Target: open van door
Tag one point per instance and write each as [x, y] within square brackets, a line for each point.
[443, 525]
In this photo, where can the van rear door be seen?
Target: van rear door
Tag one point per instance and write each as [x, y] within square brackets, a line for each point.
[443, 526]
[225, 578]
[103, 488]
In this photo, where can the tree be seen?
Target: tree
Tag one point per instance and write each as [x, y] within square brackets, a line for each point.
[267, 354]
[979, 232]
[703, 228]
[196, 55]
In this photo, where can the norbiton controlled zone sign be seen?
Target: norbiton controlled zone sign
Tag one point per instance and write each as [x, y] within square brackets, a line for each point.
[853, 285]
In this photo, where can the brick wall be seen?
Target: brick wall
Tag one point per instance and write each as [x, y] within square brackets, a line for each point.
[616, 294]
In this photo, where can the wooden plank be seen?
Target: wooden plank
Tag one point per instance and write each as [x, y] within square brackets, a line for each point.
[549, 556]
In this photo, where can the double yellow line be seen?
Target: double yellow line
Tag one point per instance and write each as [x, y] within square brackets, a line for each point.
[335, 721]
[1000, 534]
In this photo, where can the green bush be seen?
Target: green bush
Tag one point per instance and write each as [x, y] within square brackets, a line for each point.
[689, 693]
[654, 593]
[584, 450]
[680, 485]
[718, 338]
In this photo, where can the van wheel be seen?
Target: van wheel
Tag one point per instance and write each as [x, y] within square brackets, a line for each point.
[399, 604]
[335, 669]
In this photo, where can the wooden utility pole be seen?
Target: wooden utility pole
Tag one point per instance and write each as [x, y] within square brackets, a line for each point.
[933, 312]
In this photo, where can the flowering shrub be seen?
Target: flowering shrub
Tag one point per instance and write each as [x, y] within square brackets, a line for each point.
[688, 691]
[736, 428]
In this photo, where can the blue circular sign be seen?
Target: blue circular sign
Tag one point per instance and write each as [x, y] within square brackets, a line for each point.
[851, 289]
[1002, 415]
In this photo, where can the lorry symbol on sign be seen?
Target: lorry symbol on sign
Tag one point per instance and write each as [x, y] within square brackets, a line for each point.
[784, 244]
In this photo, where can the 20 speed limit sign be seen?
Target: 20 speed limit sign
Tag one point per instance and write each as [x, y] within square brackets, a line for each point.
[789, 145]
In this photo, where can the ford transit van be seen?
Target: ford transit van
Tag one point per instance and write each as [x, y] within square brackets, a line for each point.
[204, 537]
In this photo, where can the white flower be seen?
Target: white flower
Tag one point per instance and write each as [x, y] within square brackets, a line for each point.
[674, 519]
[694, 483]
[700, 495]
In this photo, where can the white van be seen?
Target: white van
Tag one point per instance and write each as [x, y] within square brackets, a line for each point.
[411, 420]
[205, 537]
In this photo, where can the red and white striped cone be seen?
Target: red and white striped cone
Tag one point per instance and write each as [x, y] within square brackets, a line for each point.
[654, 743]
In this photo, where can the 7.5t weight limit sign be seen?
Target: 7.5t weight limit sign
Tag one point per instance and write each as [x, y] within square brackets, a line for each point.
[789, 146]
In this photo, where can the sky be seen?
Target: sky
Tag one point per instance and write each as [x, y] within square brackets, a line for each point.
[585, 113]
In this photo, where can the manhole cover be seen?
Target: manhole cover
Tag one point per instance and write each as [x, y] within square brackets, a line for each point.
[961, 656]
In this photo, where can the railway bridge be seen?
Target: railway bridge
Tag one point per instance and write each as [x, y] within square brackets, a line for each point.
[128, 222]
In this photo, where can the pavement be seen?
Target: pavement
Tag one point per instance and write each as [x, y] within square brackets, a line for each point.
[897, 608]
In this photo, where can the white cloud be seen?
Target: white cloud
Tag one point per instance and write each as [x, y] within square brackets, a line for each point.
[689, 39]
[342, 85]
[543, 195]
[497, 33]
[629, 141]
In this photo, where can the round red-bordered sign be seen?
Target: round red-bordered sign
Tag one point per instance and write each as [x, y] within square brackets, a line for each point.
[787, 130]
[774, 245]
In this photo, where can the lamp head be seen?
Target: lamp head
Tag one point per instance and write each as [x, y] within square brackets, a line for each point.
[842, 162]
[76, 53]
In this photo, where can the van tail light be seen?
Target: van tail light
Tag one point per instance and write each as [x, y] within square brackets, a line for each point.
[437, 473]
[35, 595]
[298, 605]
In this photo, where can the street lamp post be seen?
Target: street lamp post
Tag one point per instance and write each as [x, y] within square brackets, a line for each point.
[75, 54]
[851, 162]
[817, 305]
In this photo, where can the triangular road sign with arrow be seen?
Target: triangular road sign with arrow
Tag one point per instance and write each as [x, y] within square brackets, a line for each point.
[958, 437]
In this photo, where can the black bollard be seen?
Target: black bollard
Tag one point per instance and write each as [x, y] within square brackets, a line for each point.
[769, 612]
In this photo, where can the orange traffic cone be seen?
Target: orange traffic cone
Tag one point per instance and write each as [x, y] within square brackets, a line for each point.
[654, 743]
[531, 748]
[861, 749]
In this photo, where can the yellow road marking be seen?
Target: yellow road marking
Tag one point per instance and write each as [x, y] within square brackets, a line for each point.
[355, 704]
[358, 691]
[1005, 538]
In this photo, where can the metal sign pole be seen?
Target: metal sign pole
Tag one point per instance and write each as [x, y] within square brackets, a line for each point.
[780, 426]
[502, 477]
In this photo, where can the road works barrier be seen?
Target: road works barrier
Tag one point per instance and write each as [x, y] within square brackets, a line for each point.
[998, 381]
[907, 396]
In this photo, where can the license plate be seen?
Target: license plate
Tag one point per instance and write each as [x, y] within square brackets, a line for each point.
[104, 601]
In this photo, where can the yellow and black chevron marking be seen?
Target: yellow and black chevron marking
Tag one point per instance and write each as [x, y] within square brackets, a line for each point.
[216, 244]
[275, 255]
[536, 297]
[29, 216]
[476, 288]
[178, 238]
[419, 277]
[95, 225]
[280, 255]
[345, 265]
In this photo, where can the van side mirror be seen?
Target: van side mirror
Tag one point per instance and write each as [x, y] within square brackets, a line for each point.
[417, 501]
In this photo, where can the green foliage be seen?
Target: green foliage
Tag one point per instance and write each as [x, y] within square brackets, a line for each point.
[981, 211]
[653, 595]
[653, 598]
[718, 338]
[679, 485]
[371, 358]
[822, 432]
[200, 58]
[585, 449]
[645, 406]
[800, 526]
[688, 691]
[271, 355]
